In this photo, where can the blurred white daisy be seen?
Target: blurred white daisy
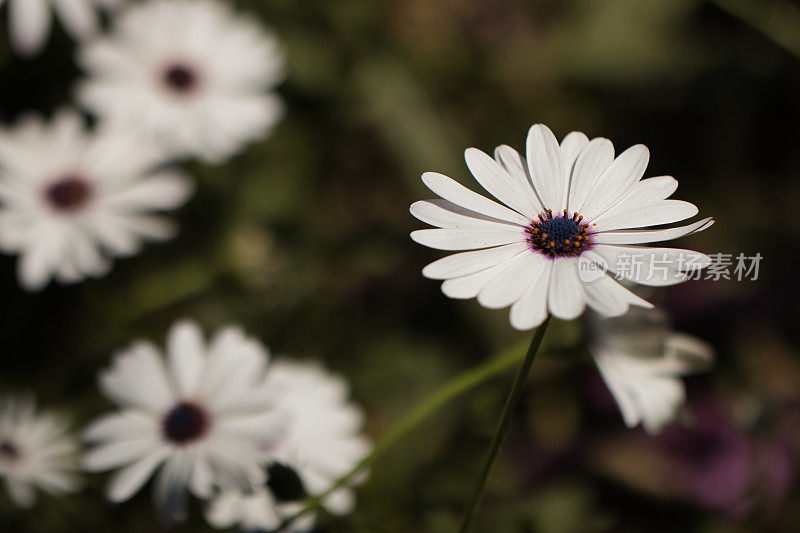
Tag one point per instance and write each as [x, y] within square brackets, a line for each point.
[322, 442]
[201, 420]
[36, 451]
[565, 220]
[642, 362]
[30, 20]
[70, 199]
[190, 73]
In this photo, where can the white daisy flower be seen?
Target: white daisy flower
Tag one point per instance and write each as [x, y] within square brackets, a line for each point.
[30, 20]
[642, 362]
[201, 419]
[566, 216]
[36, 451]
[70, 200]
[190, 73]
[321, 444]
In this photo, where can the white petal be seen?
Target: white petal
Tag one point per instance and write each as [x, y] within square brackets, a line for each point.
[235, 367]
[225, 510]
[127, 481]
[517, 168]
[260, 513]
[125, 425]
[571, 147]
[565, 297]
[648, 192]
[30, 24]
[148, 226]
[509, 285]
[590, 165]
[446, 214]
[116, 453]
[457, 239]
[651, 266]
[202, 479]
[645, 193]
[162, 191]
[77, 16]
[138, 378]
[466, 263]
[609, 298]
[186, 356]
[261, 426]
[498, 182]
[659, 402]
[664, 212]
[647, 236]
[453, 191]
[685, 354]
[616, 382]
[466, 287]
[170, 486]
[21, 493]
[617, 181]
[531, 309]
[35, 268]
[341, 501]
[546, 167]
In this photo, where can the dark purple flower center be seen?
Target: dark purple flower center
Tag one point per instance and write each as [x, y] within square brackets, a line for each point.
[68, 193]
[562, 235]
[184, 423]
[8, 450]
[180, 78]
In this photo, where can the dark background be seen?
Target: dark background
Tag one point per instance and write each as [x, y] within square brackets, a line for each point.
[303, 239]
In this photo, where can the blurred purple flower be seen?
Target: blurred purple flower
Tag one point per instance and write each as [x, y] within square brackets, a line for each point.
[724, 467]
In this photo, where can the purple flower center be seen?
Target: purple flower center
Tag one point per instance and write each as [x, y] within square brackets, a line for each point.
[180, 78]
[68, 193]
[8, 451]
[562, 235]
[184, 423]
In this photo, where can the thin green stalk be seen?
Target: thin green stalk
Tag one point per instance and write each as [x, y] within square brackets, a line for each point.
[457, 386]
[504, 424]
[779, 20]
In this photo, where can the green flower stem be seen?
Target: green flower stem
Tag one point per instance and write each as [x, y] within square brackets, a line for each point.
[504, 424]
[452, 389]
[777, 19]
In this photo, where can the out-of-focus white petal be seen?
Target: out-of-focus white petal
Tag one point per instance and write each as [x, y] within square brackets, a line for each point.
[212, 98]
[186, 356]
[77, 16]
[30, 25]
[127, 481]
[642, 364]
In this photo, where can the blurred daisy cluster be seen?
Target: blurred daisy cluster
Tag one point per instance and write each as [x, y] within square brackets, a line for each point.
[169, 80]
[183, 181]
[166, 82]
